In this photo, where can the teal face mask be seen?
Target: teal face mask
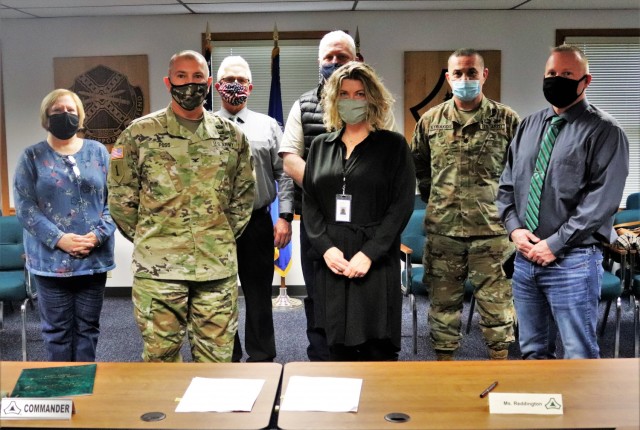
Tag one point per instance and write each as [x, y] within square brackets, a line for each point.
[352, 111]
[465, 90]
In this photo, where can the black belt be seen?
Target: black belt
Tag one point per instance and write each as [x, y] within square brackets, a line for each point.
[262, 210]
[592, 246]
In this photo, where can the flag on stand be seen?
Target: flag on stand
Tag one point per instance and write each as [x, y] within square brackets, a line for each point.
[282, 260]
[359, 56]
[208, 103]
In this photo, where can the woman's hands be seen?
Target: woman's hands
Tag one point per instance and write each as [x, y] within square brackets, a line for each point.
[76, 245]
[357, 267]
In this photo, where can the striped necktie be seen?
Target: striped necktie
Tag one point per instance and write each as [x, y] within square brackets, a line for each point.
[537, 179]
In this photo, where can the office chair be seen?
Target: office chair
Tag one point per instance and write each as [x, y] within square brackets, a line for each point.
[15, 283]
[635, 289]
[611, 290]
[411, 251]
[633, 201]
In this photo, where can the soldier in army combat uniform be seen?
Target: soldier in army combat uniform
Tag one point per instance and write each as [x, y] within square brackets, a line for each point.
[459, 152]
[181, 188]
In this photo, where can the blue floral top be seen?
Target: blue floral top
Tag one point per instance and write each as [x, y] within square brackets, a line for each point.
[53, 197]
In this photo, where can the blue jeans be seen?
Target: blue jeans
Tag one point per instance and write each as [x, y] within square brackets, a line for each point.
[568, 290]
[70, 315]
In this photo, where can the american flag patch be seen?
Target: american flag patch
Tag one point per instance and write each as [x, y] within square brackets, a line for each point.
[117, 152]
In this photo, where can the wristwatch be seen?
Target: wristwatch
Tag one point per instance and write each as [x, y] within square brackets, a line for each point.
[287, 216]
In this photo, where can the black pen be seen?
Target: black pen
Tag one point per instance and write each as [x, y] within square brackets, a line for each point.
[488, 390]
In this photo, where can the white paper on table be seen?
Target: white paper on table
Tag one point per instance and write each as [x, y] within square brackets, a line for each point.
[220, 395]
[306, 393]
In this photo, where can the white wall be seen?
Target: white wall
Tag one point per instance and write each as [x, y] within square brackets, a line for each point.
[524, 37]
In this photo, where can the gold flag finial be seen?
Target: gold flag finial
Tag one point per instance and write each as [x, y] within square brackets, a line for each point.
[207, 34]
[275, 35]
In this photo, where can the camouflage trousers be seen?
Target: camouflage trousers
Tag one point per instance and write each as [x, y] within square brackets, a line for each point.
[167, 309]
[448, 262]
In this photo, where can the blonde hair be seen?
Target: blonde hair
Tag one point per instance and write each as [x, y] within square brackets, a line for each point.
[51, 98]
[379, 99]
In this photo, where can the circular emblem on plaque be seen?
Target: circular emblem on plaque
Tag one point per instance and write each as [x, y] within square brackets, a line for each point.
[110, 102]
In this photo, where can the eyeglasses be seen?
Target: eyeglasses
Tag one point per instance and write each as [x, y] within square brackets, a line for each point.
[71, 161]
[232, 79]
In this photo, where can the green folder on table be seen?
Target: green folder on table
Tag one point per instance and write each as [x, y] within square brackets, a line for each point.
[58, 381]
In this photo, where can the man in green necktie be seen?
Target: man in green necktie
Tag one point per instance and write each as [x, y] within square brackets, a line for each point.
[565, 173]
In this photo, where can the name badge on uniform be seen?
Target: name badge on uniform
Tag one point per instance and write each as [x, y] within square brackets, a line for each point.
[343, 208]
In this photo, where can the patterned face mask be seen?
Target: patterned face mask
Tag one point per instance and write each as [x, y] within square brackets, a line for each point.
[233, 93]
[189, 96]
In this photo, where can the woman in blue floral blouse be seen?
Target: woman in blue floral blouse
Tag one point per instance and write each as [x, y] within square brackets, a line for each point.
[60, 194]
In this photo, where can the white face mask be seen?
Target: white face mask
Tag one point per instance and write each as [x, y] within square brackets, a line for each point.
[352, 111]
[465, 90]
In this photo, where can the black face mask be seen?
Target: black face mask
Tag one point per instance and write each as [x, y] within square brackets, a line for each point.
[189, 96]
[63, 125]
[561, 92]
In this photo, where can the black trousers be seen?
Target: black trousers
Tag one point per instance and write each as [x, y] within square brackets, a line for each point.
[318, 350]
[371, 350]
[255, 269]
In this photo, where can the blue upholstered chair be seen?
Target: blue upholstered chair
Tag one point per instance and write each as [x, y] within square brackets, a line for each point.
[633, 201]
[14, 279]
[611, 292]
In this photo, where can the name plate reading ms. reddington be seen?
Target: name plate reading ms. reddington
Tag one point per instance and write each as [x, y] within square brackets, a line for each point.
[23, 408]
[525, 403]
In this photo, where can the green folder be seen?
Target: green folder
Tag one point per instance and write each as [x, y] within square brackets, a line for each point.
[56, 381]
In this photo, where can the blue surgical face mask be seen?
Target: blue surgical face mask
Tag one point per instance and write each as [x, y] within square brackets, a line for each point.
[327, 70]
[466, 90]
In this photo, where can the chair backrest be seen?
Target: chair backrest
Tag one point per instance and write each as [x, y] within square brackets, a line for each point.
[11, 246]
[628, 218]
[633, 201]
[414, 235]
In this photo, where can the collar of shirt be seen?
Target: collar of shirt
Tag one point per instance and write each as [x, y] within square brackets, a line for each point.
[571, 114]
[241, 115]
[173, 126]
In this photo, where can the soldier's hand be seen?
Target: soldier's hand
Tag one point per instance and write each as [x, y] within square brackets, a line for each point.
[281, 233]
[334, 259]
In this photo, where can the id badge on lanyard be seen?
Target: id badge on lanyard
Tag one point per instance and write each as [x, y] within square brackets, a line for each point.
[343, 208]
[343, 200]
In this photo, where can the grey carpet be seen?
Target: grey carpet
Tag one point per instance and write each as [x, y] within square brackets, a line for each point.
[120, 339]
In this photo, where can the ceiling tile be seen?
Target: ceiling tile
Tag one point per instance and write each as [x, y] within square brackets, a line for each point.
[269, 6]
[107, 11]
[437, 4]
[22, 4]
[582, 4]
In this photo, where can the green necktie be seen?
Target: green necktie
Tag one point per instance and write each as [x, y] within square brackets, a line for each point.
[537, 180]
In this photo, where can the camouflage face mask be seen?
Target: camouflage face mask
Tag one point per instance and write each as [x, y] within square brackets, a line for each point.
[189, 96]
[233, 93]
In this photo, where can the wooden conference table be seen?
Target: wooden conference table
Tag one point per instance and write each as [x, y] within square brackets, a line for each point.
[445, 395]
[125, 391]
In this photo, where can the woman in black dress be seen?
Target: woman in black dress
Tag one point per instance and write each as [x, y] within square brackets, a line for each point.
[359, 187]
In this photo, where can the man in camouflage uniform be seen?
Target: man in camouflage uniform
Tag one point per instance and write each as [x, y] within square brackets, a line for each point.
[181, 188]
[459, 148]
